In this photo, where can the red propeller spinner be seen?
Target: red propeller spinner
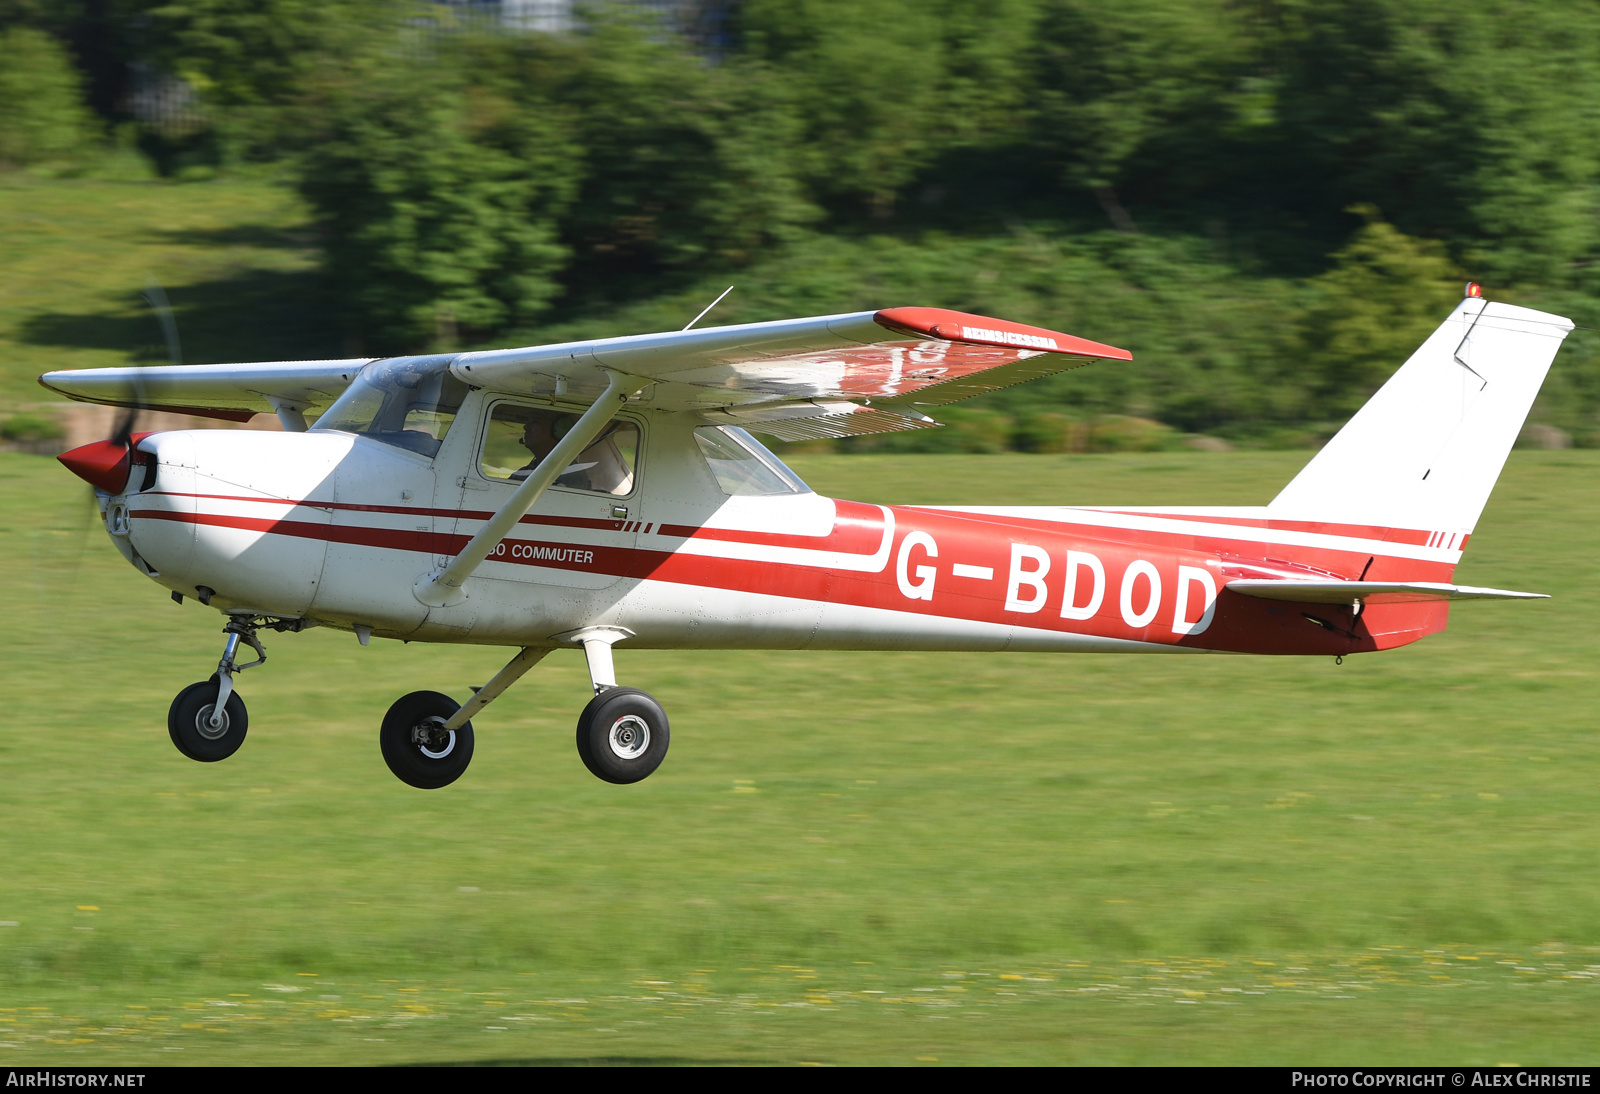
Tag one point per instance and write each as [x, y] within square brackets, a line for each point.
[104, 465]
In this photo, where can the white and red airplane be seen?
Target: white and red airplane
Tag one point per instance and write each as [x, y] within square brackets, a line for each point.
[607, 492]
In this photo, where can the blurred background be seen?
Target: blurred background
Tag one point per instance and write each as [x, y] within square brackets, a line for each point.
[1270, 202]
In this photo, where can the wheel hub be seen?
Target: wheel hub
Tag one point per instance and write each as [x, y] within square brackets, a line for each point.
[432, 739]
[629, 737]
[203, 726]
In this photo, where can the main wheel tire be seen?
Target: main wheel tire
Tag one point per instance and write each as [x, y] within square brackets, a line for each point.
[623, 735]
[417, 748]
[189, 723]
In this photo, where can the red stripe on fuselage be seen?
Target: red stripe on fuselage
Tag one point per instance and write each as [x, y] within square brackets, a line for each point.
[857, 526]
[1410, 536]
[1035, 600]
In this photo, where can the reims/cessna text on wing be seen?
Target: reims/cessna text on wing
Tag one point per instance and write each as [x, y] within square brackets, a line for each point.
[608, 493]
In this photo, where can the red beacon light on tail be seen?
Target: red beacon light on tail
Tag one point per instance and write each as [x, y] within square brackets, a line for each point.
[1473, 291]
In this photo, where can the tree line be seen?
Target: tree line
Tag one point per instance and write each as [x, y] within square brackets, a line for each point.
[1270, 202]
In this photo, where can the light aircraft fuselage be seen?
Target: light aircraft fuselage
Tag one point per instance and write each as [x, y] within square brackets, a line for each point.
[335, 528]
[607, 493]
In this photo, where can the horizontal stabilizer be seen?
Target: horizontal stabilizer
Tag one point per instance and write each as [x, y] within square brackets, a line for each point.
[1370, 592]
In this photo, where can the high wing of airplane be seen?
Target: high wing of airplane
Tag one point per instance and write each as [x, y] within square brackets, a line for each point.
[609, 492]
[828, 376]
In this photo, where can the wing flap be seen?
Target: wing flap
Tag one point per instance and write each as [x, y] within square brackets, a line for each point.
[816, 421]
[1370, 592]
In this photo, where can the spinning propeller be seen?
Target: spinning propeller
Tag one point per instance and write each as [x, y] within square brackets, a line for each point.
[106, 464]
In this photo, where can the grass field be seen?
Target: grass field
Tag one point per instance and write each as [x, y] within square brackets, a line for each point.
[847, 858]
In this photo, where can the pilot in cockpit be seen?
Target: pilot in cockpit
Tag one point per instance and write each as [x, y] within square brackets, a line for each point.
[601, 466]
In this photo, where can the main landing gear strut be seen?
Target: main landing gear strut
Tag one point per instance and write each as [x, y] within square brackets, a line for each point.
[622, 734]
[208, 720]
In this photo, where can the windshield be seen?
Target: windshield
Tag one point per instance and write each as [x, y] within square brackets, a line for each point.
[742, 465]
[409, 402]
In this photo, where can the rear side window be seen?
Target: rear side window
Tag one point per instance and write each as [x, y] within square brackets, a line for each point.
[743, 466]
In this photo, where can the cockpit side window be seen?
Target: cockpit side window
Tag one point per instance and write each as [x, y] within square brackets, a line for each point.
[409, 402]
[742, 464]
[520, 436]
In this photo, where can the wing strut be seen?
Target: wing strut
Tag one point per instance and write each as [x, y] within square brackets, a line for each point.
[443, 586]
[528, 657]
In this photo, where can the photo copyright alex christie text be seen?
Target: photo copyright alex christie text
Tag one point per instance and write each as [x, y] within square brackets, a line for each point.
[1446, 1079]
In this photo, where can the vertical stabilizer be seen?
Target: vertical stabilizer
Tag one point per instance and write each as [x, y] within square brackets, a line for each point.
[1425, 451]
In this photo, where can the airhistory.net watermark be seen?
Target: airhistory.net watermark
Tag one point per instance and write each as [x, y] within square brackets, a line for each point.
[54, 1078]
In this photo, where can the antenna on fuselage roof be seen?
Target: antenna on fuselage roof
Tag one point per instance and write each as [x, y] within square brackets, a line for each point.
[709, 306]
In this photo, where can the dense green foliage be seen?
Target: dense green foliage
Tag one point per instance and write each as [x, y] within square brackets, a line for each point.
[42, 116]
[1270, 202]
[438, 204]
[1383, 291]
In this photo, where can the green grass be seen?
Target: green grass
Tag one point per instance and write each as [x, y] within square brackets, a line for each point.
[847, 858]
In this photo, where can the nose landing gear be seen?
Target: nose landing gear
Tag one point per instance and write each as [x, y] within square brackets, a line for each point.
[204, 729]
[208, 721]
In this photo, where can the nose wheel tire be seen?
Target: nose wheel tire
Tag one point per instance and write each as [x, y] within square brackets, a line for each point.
[623, 735]
[190, 725]
[417, 747]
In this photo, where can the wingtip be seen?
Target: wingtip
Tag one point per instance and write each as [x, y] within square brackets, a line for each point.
[983, 330]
